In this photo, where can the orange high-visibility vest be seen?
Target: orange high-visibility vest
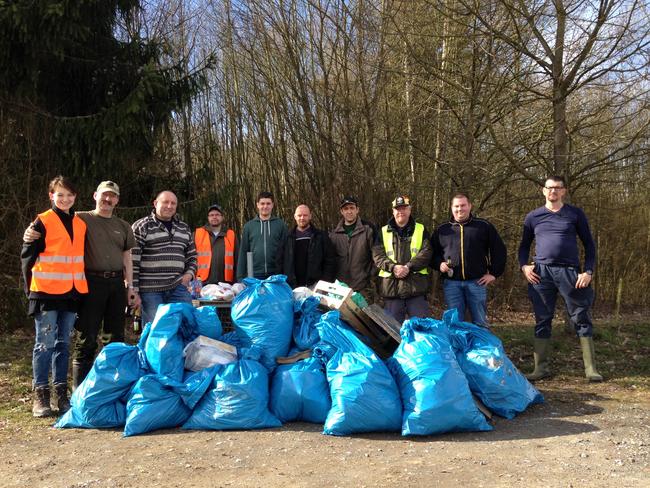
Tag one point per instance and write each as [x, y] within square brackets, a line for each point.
[61, 265]
[204, 254]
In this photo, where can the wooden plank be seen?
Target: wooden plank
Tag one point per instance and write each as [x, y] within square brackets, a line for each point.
[387, 323]
[339, 298]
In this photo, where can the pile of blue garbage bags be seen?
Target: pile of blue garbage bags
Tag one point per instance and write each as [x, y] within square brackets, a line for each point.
[425, 388]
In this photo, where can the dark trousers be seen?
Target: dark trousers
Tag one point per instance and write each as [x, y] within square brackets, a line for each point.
[413, 306]
[105, 302]
[562, 279]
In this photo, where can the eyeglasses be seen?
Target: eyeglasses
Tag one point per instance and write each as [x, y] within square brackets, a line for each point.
[556, 188]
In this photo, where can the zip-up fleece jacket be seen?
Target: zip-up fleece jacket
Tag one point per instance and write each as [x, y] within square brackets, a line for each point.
[264, 238]
[474, 247]
[321, 258]
[354, 264]
[415, 284]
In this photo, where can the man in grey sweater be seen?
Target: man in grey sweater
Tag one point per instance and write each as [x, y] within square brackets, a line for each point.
[164, 257]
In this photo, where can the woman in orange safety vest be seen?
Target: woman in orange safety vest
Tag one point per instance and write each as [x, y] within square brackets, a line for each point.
[53, 270]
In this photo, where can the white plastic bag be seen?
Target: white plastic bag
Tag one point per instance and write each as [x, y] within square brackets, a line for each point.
[222, 291]
[301, 292]
[204, 352]
[237, 288]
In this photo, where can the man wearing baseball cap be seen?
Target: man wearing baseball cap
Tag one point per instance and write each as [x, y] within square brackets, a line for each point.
[216, 248]
[353, 239]
[109, 273]
[402, 256]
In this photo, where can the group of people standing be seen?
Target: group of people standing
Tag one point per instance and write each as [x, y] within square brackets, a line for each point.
[83, 269]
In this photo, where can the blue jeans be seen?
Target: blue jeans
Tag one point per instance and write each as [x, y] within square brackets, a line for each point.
[463, 295]
[562, 279]
[52, 346]
[151, 300]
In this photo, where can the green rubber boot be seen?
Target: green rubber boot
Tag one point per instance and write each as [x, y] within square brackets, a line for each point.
[542, 350]
[588, 355]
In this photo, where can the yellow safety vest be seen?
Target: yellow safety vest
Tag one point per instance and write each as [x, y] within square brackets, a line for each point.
[416, 245]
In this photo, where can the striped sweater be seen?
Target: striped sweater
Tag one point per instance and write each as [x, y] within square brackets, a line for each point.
[160, 258]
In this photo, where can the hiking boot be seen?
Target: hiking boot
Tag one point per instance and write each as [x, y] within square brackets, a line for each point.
[588, 355]
[542, 350]
[41, 406]
[60, 400]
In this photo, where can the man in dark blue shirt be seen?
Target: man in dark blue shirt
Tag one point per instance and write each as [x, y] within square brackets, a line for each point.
[555, 228]
[471, 255]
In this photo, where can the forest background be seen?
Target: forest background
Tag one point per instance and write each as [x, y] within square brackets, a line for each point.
[313, 99]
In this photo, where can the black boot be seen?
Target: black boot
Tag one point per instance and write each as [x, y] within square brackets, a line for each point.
[80, 369]
[60, 400]
[41, 406]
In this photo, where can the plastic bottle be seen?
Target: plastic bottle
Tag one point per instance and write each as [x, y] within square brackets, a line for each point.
[195, 288]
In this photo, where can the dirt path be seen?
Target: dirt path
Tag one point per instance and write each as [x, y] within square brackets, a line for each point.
[584, 435]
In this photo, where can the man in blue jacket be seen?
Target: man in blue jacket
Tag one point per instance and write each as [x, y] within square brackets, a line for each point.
[470, 254]
[556, 268]
[264, 236]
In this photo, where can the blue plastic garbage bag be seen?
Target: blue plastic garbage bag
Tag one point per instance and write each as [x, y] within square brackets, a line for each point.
[207, 323]
[263, 316]
[300, 392]
[195, 384]
[306, 316]
[175, 325]
[154, 404]
[364, 394]
[491, 375]
[100, 400]
[158, 402]
[434, 390]
[237, 399]
[336, 333]
[233, 339]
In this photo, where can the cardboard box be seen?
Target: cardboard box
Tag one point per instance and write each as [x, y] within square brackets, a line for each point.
[381, 337]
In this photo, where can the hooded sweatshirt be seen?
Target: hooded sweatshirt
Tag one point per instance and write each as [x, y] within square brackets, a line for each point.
[264, 238]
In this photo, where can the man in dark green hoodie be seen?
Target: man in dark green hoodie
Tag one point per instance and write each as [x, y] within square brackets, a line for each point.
[264, 237]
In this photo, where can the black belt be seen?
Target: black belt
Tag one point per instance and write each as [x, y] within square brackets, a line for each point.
[105, 274]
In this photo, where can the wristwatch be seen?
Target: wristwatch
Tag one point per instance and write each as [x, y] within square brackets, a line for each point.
[589, 272]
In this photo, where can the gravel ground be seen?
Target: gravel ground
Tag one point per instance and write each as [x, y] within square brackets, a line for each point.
[584, 435]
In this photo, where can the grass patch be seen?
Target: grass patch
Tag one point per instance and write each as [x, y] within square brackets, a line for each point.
[16, 378]
[622, 351]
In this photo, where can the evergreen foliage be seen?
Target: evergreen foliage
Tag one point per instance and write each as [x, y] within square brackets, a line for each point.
[94, 92]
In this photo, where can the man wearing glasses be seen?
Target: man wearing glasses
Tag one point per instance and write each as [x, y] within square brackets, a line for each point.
[556, 268]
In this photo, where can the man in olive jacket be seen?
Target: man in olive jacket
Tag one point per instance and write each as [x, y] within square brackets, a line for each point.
[402, 255]
[353, 239]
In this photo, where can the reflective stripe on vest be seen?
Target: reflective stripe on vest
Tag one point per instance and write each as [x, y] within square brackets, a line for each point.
[416, 245]
[229, 259]
[204, 254]
[60, 267]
